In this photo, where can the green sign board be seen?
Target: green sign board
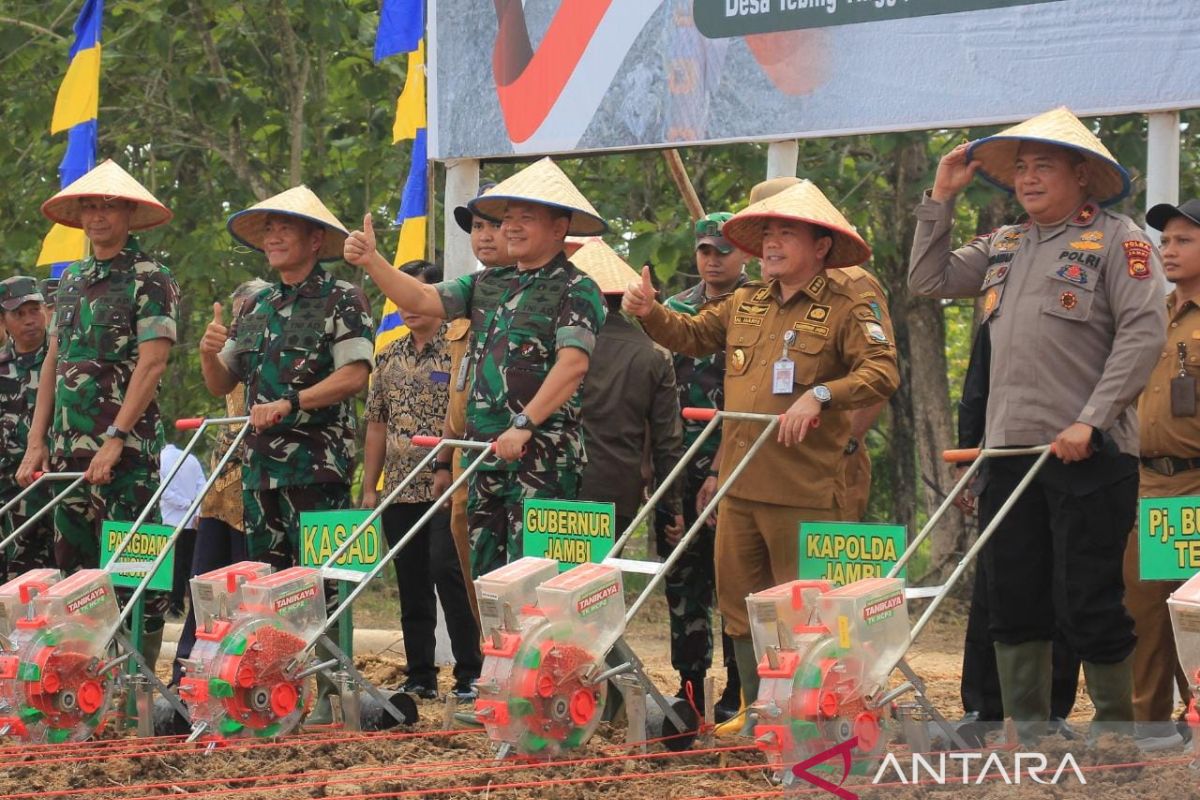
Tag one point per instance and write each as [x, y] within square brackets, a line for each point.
[568, 531]
[323, 532]
[1169, 538]
[718, 19]
[844, 552]
[146, 544]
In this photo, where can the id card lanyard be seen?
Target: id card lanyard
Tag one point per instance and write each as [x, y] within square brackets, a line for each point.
[784, 372]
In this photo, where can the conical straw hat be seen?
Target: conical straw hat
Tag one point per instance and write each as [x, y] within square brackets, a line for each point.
[249, 226]
[542, 182]
[802, 202]
[770, 187]
[109, 181]
[998, 154]
[602, 264]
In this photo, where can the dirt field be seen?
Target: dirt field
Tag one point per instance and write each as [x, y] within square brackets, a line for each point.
[428, 761]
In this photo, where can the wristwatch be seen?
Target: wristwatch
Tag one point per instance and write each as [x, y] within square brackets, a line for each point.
[522, 422]
[113, 432]
[293, 397]
[823, 395]
[438, 466]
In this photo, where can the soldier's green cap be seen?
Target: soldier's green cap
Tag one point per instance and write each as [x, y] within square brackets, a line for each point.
[708, 231]
[18, 290]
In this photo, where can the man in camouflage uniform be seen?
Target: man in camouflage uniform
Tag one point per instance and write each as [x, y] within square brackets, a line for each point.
[114, 325]
[533, 327]
[690, 586]
[303, 348]
[21, 305]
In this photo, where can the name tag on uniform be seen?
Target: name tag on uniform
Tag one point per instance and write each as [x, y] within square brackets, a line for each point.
[464, 366]
[784, 371]
[440, 377]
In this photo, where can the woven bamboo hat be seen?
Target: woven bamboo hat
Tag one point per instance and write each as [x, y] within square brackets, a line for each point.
[801, 202]
[602, 264]
[249, 226]
[770, 187]
[998, 154]
[109, 181]
[541, 182]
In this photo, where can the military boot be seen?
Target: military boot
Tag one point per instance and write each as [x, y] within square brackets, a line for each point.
[1025, 673]
[1111, 688]
[742, 723]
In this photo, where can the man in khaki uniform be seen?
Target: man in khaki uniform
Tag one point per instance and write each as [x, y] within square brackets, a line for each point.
[854, 471]
[803, 345]
[1074, 305]
[491, 250]
[1170, 456]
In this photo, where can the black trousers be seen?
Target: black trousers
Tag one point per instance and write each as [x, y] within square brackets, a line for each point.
[217, 545]
[429, 560]
[980, 684]
[1055, 562]
[185, 548]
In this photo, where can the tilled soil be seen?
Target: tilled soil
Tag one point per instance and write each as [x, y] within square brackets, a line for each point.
[428, 761]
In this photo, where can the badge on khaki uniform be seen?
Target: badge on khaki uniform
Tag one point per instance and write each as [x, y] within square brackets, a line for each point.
[738, 358]
[1068, 300]
[817, 313]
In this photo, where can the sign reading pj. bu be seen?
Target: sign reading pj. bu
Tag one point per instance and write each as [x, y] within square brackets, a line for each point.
[844, 552]
[570, 532]
[146, 544]
[1169, 538]
[323, 532]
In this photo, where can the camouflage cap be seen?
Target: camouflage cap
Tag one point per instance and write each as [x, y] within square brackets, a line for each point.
[708, 231]
[18, 290]
[48, 287]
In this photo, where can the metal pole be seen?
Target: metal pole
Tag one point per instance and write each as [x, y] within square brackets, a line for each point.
[1162, 162]
[462, 184]
[76, 479]
[782, 159]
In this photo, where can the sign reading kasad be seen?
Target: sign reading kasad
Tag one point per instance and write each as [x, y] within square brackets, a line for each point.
[571, 532]
[146, 544]
[844, 552]
[552, 76]
[323, 532]
[1169, 538]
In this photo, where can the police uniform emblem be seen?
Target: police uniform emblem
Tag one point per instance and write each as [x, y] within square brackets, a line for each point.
[739, 358]
[1137, 256]
[817, 313]
[1090, 240]
[1085, 215]
[1072, 273]
[989, 301]
[1068, 300]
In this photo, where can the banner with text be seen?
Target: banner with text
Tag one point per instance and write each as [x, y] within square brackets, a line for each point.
[1168, 538]
[844, 552]
[619, 74]
[146, 544]
[571, 532]
[323, 532]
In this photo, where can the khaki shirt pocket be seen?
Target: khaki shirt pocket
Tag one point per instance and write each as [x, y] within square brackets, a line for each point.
[806, 352]
[1071, 291]
[742, 344]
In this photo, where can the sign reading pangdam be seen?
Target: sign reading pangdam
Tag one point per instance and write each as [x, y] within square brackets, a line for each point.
[146, 544]
[720, 18]
[323, 532]
[1169, 538]
[551, 76]
[568, 531]
[844, 552]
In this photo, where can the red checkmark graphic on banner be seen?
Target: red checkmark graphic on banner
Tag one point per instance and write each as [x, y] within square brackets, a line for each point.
[843, 750]
[529, 83]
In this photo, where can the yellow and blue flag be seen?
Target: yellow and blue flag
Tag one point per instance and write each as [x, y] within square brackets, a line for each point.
[402, 29]
[75, 111]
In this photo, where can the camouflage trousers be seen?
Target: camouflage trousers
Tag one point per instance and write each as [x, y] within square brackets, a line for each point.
[272, 518]
[79, 518]
[494, 508]
[34, 548]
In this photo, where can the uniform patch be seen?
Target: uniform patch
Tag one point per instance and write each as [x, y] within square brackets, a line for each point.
[866, 295]
[762, 294]
[989, 301]
[817, 313]
[1010, 240]
[746, 319]
[817, 284]
[1068, 300]
[1073, 273]
[876, 310]
[819, 330]
[738, 358]
[1085, 215]
[1092, 236]
[1087, 245]
[758, 309]
[876, 333]
[1137, 256]
[1000, 258]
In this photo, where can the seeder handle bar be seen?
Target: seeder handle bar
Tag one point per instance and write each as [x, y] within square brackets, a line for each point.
[76, 479]
[1043, 454]
[114, 563]
[771, 423]
[485, 451]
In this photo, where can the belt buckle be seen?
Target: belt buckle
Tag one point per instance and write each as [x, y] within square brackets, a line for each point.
[1168, 466]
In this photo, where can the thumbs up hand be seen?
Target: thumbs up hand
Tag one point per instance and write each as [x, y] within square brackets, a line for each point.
[360, 245]
[216, 334]
[639, 296]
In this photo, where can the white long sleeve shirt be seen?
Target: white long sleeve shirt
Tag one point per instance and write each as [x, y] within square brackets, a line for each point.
[181, 491]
